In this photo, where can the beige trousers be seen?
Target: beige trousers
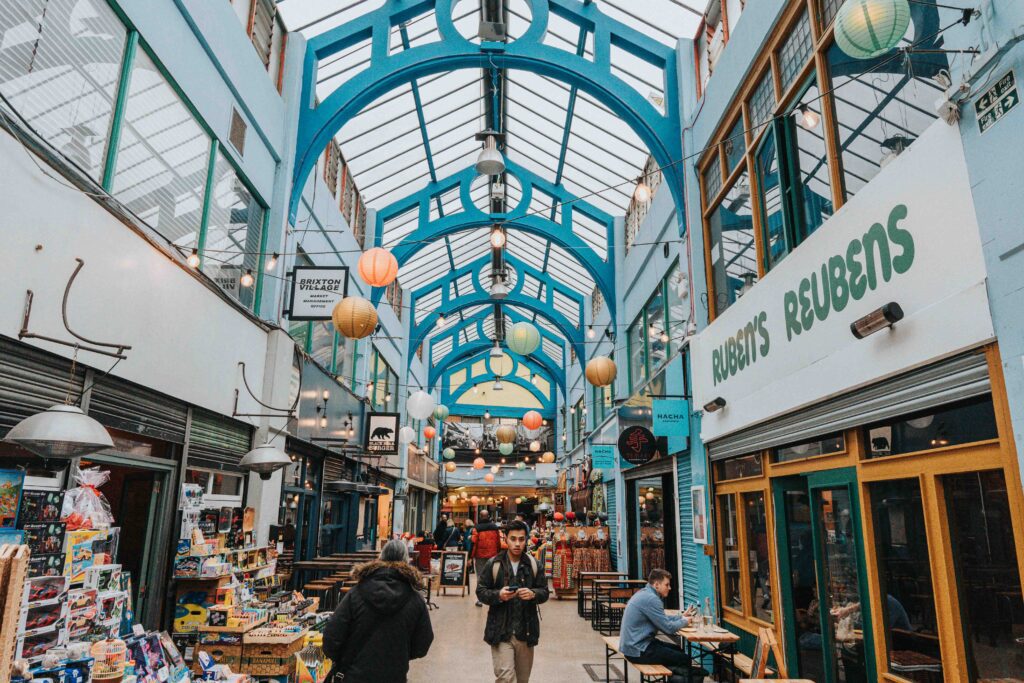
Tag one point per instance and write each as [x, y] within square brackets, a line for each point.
[513, 661]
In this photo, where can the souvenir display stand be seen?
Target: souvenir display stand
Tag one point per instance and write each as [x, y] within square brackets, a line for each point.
[590, 550]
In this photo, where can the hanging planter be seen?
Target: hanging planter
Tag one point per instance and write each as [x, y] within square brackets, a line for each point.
[523, 338]
[601, 371]
[869, 28]
[354, 317]
[532, 420]
[378, 267]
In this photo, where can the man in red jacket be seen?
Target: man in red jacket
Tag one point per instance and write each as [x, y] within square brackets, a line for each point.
[487, 542]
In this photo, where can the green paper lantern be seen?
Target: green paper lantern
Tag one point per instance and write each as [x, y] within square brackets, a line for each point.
[505, 448]
[441, 412]
[448, 453]
[869, 28]
[520, 466]
[523, 338]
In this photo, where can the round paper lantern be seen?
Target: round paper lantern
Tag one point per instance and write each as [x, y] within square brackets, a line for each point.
[506, 434]
[488, 477]
[453, 499]
[495, 469]
[506, 448]
[535, 446]
[523, 338]
[407, 434]
[478, 464]
[420, 405]
[570, 515]
[547, 457]
[450, 467]
[520, 466]
[519, 501]
[429, 432]
[558, 516]
[869, 28]
[378, 267]
[441, 412]
[354, 317]
[475, 500]
[449, 454]
[532, 420]
[601, 371]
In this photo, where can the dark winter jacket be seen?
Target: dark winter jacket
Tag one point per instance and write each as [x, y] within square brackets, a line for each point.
[520, 618]
[379, 626]
[486, 540]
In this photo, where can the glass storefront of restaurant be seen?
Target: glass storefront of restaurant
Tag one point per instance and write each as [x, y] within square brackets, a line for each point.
[891, 550]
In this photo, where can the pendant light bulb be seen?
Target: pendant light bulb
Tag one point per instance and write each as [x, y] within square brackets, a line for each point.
[487, 415]
[807, 118]
[590, 332]
[497, 238]
[642, 193]
[247, 279]
[272, 263]
[193, 259]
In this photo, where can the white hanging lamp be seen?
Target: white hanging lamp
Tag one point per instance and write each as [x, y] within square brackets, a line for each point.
[61, 432]
[490, 162]
[264, 460]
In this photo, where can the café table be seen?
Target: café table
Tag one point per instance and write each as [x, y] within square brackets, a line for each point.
[705, 642]
[585, 586]
[600, 591]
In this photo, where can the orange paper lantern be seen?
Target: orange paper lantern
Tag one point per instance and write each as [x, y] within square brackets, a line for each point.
[378, 267]
[488, 477]
[429, 432]
[354, 317]
[601, 371]
[478, 464]
[450, 467]
[475, 500]
[532, 420]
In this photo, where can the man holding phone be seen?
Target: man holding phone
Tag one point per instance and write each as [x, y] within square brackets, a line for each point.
[644, 617]
[512, 584]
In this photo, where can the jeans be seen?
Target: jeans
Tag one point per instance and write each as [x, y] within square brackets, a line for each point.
[660, 652]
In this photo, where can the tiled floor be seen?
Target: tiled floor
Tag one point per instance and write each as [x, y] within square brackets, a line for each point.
[459, 652]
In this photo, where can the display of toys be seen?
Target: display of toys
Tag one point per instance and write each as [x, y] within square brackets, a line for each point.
[44, 538]
[33, 646]
[46, 565]
[81, 598]
[41, 506]
[111, 606]
[44, 588]
[103, 577]
[111, 658]
[42, 616]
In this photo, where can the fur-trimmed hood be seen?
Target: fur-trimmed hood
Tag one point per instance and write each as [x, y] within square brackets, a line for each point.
[386, 586]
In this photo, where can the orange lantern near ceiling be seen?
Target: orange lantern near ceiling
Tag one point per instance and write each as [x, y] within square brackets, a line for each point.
[429, 432]
[478, 464]
[601, 371]
[488, 477]
[450, 467]
[354, 317]
[475, 500]
[532, 420]
[506, 434]
[378, 267]
[547, 457]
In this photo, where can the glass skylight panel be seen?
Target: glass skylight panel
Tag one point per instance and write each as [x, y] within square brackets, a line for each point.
[426, 304]
[552, 350]
[567, 307]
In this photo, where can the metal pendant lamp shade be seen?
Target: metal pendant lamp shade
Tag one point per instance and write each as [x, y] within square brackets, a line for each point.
[523, 338]
[378, 267]
[354, 317]
[869, 28]
[490, 162]
[61, 432]
[265, 460]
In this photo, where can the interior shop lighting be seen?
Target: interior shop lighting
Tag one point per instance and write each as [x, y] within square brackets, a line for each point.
[440, 320]
[247, 279]
[499, 290]
[272, 263]
[497, 385]
[487, 416]
[496, 350]
[807, 118]
[876, 320]
[715, 405]
[193, 259]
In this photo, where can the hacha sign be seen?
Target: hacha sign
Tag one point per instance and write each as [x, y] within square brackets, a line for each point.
[787, 342]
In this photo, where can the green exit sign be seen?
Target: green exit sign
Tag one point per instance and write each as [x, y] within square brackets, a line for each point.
[995, 102]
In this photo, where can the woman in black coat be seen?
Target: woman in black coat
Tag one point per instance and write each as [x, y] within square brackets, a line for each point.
[380, 624]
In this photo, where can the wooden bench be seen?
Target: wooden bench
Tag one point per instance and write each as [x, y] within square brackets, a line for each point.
[649, 673]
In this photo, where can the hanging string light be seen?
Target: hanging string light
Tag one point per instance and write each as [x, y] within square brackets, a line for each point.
[806, 117]
[272, 262]
[247, 280]
[193, 259]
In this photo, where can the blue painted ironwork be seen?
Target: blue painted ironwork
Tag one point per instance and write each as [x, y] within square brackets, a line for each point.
[451, 304]
[519, 217]
[451, 398]
[388, 71]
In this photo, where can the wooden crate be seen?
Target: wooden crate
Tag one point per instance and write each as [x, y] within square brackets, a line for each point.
[268, 666]
[229, 655]
[13, 570]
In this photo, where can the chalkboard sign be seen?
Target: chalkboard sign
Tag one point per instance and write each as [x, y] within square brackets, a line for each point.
[454, 569]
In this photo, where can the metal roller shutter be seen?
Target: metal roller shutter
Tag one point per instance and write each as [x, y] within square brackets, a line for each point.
[684, 471]
[612, 522]
[952, 380]
[217, 442]
[136, 409]
[335, 469]
[32, 380]
[652, 469]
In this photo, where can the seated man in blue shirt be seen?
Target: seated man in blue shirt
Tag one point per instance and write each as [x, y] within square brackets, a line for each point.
[644, 617]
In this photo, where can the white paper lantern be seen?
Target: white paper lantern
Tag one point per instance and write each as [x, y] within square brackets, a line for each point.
[407, 434]
[870, 28]
[420, 405]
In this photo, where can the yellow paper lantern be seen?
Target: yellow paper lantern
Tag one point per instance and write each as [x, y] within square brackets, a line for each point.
[378, 267]
[601, 371]
[354, 317]
[547, 457]
[506, 434]
[450, 467]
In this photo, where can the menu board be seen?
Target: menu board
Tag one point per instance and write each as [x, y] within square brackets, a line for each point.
[454, 568]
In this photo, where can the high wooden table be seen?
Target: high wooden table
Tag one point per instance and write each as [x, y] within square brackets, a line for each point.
[705, 643]
[585, 588]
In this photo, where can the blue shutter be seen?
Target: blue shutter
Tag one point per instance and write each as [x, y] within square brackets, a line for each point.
[691, 593]
[613, 527]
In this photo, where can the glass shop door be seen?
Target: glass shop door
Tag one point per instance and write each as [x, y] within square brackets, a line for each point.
[824, 586]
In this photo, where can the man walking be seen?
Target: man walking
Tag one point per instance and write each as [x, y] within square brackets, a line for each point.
[486, 544]
[512, 583]
[644, 617]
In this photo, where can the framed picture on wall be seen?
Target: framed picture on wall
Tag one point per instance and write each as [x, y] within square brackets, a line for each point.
[699, 513]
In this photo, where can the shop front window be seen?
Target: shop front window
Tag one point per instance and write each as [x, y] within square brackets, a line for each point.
[904, 574]
[952, 425]
[759, 562]
[737, 468]
[987, 574]
[676, 293]
[651, 499]
[657, 349]
[826, 445]
[733, 252]
[729, 530]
